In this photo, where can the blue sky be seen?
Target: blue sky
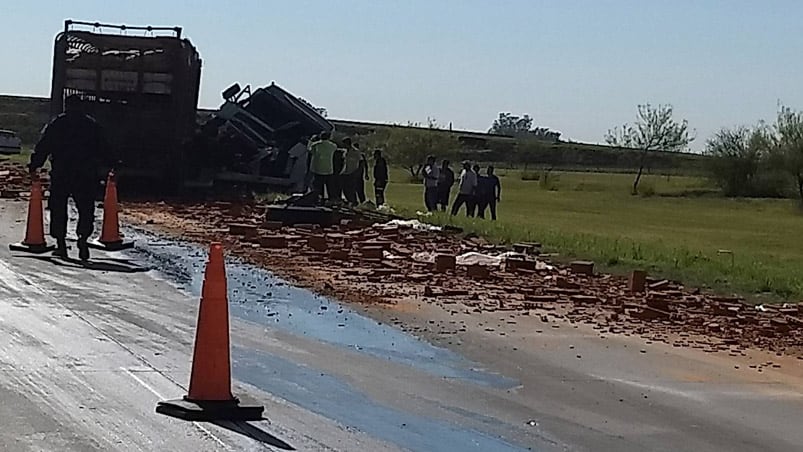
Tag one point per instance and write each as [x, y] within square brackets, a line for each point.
[580, 67]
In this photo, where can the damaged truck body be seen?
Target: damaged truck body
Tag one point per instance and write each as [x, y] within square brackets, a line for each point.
[142, 85]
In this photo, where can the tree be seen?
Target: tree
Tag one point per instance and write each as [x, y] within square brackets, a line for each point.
[736, 156]
[508, 124]
[545, 134]
[653, 130]
[789, 144]
[409, 146]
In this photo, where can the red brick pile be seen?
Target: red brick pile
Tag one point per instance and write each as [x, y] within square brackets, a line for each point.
[359, 262]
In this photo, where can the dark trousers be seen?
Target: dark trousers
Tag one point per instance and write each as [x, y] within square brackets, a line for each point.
[336, 186]
[83, 191]
[461, 199]
[379, 192]
[484, 204]
[443, 197]
[431, 198]
[359, 186]
[349, 186]
[321, 182]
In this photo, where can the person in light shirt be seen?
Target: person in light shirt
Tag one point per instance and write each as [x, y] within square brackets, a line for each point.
[466, 187]
[431, 175]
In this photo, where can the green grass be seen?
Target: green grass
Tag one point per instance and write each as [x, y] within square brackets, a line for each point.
[676, 233]
[22, 158]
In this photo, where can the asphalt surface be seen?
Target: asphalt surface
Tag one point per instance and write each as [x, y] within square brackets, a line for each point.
[90, 350]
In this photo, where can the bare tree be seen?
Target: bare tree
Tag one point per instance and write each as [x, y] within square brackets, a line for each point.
[653, 130]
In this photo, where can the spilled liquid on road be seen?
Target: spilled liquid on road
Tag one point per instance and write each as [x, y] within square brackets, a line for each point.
[258, 296]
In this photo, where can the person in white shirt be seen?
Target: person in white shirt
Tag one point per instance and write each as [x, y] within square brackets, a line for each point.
[467, 185]
[431, 175]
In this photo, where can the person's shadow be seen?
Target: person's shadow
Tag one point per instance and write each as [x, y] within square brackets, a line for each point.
[101, 264]
[253, 432]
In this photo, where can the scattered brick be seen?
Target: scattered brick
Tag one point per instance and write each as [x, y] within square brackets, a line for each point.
[660, 285]
[339, 255]
[273, 241]
[317, 243]
[444, 263]
[563, 283]
[372, 252]
[637, 281]
[515, 265]
[272, 225]
[478, 272]
[582, 268]
[243, 230]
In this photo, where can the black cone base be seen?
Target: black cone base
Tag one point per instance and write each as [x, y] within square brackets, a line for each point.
[209, 411]
[35, 249]
[110, 246]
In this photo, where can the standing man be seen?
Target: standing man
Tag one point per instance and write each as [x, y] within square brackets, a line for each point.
[338, 162]
[351, 173]
[496, 192]
[431, 174]
[380, 177]
[362, 177]
[297, 166]
[465, 190]
[322, 166]
[471, 206]
[75, 144]
[445, 183]
[489, 191]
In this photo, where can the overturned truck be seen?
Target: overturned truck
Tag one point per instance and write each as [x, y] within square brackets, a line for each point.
[142, 85]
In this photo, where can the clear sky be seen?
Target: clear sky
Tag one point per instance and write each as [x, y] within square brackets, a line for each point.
[580, 67]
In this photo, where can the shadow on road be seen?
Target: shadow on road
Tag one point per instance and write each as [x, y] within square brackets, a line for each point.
[253, 432]
[107, 265]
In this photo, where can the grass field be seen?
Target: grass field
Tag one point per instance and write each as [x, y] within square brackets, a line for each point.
[677, 233]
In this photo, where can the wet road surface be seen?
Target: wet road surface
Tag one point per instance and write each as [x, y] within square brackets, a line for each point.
[91, 349]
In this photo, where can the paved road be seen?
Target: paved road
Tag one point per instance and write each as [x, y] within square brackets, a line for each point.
[89, 352]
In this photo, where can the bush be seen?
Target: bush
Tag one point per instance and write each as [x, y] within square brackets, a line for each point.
[549, 181]
[647, 190]
[530, 176]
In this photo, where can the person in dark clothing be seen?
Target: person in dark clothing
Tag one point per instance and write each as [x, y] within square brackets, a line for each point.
[76, 146]
[380, 177]
[489, 191]
[362, 176]
[471, 203]
[445, 183]
[337, 181]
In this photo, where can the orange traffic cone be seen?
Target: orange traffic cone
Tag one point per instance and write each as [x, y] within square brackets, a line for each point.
[110, 239]
[210, 397]
[35, 229]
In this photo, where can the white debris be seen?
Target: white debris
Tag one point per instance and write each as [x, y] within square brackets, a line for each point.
[475, 258]
[414, 224]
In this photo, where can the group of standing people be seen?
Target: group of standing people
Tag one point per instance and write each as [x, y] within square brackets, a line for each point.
[476, 191]
[341, 172]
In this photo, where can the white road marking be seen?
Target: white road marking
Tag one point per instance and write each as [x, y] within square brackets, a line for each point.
[156, 393]
[651, 387]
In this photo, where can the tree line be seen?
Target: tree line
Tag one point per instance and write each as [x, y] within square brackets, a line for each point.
[765, 160]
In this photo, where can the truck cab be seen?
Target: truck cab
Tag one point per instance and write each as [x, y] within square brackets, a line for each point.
[10, 143]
